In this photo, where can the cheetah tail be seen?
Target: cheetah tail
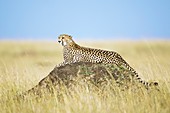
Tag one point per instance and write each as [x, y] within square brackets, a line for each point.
[147, 84]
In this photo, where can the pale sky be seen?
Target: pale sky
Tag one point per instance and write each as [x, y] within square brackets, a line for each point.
[46, 19]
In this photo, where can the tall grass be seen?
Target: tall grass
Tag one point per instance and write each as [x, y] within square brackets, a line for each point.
[24, 64]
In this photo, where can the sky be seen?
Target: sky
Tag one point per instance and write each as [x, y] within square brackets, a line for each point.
[94, 19]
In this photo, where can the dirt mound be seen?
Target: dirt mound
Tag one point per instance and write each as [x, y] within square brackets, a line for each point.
[98, 75]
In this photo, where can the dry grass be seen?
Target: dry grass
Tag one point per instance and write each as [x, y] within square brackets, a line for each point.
[24, 64]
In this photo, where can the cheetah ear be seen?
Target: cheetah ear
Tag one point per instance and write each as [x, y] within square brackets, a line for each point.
[70, 36]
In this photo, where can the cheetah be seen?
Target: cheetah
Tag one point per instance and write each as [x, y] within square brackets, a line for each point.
[72, 53]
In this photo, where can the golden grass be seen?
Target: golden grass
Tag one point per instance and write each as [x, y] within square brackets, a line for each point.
[24, 64]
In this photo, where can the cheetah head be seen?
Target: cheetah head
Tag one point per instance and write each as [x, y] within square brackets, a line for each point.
[65, 40]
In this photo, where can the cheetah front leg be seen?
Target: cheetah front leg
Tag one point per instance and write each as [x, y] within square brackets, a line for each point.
[61, 64]
[68, 59]
[64, 63]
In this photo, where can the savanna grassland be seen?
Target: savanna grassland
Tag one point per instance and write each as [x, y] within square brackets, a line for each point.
[24, 64]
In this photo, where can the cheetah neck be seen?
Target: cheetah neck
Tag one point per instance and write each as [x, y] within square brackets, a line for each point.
[72, 45]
